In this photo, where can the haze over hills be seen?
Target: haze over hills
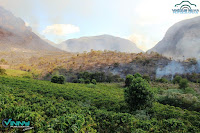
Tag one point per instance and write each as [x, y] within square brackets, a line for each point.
[181, 41]
[102, 42]
[15, 36]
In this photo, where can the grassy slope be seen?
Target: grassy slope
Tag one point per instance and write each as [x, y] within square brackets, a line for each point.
[17, 73]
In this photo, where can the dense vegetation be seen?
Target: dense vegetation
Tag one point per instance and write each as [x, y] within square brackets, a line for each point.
[75, 107]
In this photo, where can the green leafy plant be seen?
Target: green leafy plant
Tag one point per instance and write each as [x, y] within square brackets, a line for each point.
[94, 81]
[128, 80]
[136, 75]
[2, 71]
[138, 95]
[183, 83]
[58, 79]
[177, 79]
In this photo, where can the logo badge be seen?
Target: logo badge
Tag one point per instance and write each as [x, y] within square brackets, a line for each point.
[185, 7]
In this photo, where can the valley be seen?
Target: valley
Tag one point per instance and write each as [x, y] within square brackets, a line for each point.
[97, 84]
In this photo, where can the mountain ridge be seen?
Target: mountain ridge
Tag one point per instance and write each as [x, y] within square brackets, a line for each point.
[181, 40]
[100, 42]
[16, 36]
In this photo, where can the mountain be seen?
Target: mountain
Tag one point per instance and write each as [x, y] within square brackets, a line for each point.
[16, 36]
[102, 42]
[181, 41]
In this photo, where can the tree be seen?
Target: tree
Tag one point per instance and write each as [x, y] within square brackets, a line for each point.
[138, 94]
[183, 83]
[128, 80]
[177, 79]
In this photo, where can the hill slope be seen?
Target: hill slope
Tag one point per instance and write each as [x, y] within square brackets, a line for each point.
[102, 42]
[181, 40]
[15, 36]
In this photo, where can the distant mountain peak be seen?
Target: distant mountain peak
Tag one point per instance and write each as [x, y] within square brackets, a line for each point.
[100, 42]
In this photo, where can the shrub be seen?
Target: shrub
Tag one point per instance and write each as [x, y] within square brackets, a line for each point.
[94, 81]
[87, 81]
[190, 91]
[54, 79]
[146, 77]
[183, 83]
[162, 80]
[61, 80]
[128, 80]
[136, 75]
[81, 80]
[185, 101]
[2, 71]
[75, 81]
[58, 79]
[138, 95]
[116, 64]
[177, 79]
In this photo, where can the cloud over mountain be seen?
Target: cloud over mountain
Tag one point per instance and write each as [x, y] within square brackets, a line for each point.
[61, 29]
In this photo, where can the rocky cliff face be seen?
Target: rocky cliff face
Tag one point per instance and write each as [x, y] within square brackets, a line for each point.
[15, 36]
[102, 42]
[181, 41]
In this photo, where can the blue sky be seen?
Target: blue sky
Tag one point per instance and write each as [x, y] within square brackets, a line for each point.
[141, 21]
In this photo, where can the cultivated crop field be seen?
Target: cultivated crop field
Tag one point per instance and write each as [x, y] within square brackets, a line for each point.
[75, 107]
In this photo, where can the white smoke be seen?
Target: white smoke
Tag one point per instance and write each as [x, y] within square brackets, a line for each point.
[174, 68]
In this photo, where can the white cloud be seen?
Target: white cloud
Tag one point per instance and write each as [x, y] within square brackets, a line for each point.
[142, 42]
[61, 29]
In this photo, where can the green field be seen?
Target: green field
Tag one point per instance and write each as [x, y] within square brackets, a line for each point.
[101, 108]
[18, 73]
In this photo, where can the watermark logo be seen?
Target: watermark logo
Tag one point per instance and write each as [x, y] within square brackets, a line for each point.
[16, 124]
[185, 7]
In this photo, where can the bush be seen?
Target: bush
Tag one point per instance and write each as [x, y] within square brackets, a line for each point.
[177, 79]
[162, 80]
[146, 77]
[2, 71]
[54, 79]
[94, 81]
[81, 80]
[61, 80]
[87, 81]
[58, 79]
[128, 80]
[136, 75]
[138, 95]
[183, 83]
[75, 81]
[185, 101]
